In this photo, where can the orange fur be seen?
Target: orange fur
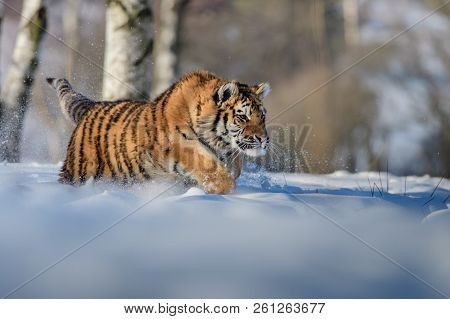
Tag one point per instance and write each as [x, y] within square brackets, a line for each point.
[198, 129]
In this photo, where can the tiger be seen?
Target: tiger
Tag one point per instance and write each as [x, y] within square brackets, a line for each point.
[199, 129]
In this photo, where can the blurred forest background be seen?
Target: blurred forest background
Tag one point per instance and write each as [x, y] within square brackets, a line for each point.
[389, 112]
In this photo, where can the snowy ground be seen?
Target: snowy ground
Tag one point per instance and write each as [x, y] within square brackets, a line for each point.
[286, 236]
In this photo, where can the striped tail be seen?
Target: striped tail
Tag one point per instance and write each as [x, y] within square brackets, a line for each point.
[74, 105]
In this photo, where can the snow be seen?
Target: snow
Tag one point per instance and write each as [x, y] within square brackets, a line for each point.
[276, 235]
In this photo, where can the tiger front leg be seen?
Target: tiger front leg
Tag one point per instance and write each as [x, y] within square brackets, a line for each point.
[208, 171]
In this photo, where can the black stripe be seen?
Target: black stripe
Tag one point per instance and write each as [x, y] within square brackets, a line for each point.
[67, 169]
[216, 121]
[100, 164]
[78, 111]
[119, 163]
[135, 124]
[167, 95]
[91, 128]
[204, 143]
[147, 127]
[82, 174]
[123, 148]
[127, 108]
[177, 128]
[175, 167]
[118, 114]
[166, 151]
[199, 109]
[142, 170]
[106, 138]
[164, 102]
[225, 120]
[155, 127]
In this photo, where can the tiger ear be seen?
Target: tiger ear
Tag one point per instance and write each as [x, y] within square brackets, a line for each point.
[225, 92]
[262, 90]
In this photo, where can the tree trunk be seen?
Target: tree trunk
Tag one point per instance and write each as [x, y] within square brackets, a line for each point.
[2, 12]
[128, 47]
[351, 21]
[334, 29]
[71, 34]
[16, 91]
[166, 44]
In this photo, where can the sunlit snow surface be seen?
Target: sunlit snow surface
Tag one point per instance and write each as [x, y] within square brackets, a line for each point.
[276, 235]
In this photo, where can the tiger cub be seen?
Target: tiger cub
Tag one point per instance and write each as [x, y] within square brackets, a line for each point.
[197, 129]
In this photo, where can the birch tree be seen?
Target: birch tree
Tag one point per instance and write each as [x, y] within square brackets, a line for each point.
[351, 21]
[2, 11]
[71, 34]
[128, 47]
[166, 44]
[16, 91]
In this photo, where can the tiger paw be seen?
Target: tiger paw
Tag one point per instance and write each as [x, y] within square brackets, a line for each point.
[218, 183]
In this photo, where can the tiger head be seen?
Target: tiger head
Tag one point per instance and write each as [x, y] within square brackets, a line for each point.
[243, 120]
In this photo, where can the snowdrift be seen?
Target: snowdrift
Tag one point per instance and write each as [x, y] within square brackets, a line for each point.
[276, 236]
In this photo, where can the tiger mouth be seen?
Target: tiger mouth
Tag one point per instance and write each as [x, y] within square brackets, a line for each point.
[253, 150]
[245, 146]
